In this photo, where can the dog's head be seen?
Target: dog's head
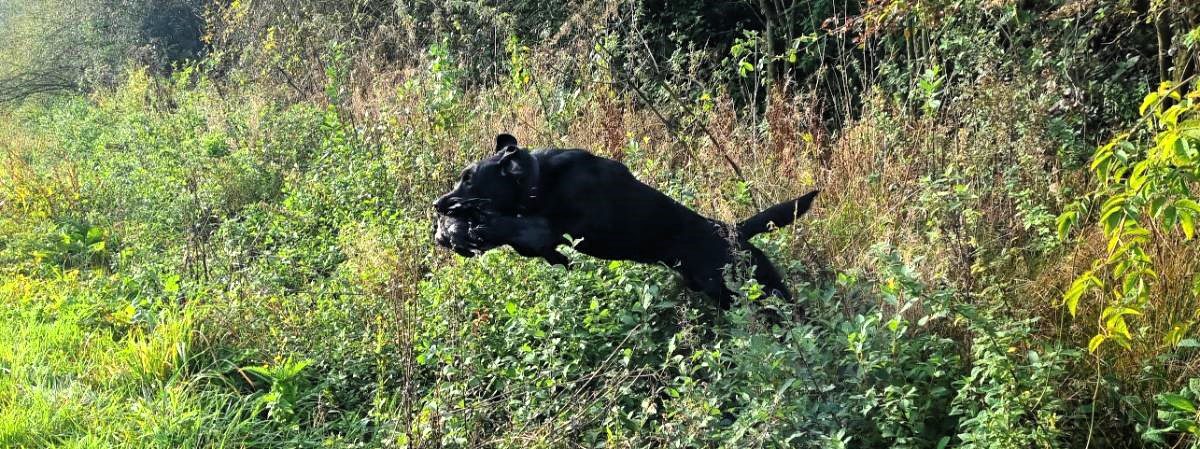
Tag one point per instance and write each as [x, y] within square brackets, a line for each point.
[504, 183]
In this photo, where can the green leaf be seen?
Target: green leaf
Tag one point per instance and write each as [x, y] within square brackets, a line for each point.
[1095, 342]
[1077, 289]
[171, 284]
[1185, 425]
[1178, 402]
[1113, 213]
[1166, 145]
[1100, 162]
[1156, 205]
[1175, 336]
[1190, 129]
[943, 443]
[1187, 223]
[1113, 242]
[1150, 100]
[1065, 221]
[1171, 116]
[1138, 176]
[94, 234]
[744, 68]
[1186, 203]
[1154, 436]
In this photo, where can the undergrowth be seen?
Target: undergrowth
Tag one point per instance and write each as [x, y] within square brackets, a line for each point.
[199, 260]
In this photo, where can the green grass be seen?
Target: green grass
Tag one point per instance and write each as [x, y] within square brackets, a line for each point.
[70, 380]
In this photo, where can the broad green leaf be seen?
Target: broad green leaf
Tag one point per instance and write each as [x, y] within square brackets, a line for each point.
[1156, 205]
[1120, 339]
[1190, 129]
[1116, 312]
[1077, 289]
[1150, 100]
[1132, 280]
[1166, 145]
[1175, 335]
[1119, 330]
[1178, 402]
[1187, 224]
[1065, 221]
[1100, 160]
[1113, 242]
[1116, 202]
[1137, 177]
[1155, 436]
[1095, 343]
[1183, 155]
[1185, 425]
[1189, 204]
[1171, 116]
[1138, 234]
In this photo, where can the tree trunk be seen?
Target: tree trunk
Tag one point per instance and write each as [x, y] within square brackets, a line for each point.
[769, 19]
[1163, 31]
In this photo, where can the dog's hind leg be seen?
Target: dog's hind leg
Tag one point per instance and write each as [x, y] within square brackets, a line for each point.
[712, 284]
[768, 276]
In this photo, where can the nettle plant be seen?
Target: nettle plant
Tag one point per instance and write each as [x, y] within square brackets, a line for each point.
[1146, 196]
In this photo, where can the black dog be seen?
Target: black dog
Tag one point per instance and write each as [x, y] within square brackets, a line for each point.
[530, 200]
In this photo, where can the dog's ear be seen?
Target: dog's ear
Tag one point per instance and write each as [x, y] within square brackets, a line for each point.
[518, 163]
[504, 141]
[523, 168]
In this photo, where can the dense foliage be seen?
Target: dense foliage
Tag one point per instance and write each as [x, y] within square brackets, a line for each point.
[222, 238]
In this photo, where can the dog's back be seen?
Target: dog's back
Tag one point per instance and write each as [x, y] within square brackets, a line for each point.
[599, 199]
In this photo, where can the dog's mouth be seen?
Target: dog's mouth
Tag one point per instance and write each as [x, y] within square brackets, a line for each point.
[468, 209]
[454, 232]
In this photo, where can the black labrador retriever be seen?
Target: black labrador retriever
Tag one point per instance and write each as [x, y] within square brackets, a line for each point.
[530, 200]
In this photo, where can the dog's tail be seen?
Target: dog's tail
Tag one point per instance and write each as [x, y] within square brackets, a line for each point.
[781, 214]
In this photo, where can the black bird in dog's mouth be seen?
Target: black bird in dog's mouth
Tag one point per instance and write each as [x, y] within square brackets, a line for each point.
[530, 199]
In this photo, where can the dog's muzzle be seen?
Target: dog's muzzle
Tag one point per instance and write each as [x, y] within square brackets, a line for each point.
[469, 209]
[444, 204]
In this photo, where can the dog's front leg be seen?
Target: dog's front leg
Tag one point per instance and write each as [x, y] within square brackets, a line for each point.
[530, 236]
